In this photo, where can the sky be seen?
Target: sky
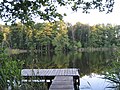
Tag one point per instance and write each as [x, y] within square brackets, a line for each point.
[95, 17]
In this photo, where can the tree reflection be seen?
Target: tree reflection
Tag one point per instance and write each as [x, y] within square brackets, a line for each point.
[88, 62]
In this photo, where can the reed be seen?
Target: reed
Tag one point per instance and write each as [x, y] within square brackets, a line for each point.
[10, 75]
[10, 72]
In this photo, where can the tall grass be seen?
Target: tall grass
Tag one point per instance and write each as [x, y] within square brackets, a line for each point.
[10, 75]
[10, 71]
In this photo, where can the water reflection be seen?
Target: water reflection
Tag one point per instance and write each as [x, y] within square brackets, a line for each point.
[95, 82]
[87, 62]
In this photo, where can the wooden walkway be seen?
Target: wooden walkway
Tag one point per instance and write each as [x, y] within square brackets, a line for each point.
[62, 83]
[61, 79]
[49, 72]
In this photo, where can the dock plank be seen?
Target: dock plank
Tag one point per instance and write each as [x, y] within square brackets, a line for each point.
[65, 79]
[49, 72]
[62, 83]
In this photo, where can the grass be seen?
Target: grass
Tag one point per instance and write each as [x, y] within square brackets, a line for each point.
[10, 74]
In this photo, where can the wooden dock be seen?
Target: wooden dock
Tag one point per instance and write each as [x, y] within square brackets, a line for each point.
[62, 83]
[60, 79]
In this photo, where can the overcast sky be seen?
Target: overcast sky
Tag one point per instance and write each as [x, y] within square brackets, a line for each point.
[95, 17]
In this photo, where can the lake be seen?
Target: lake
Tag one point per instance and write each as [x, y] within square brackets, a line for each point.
[91, 65]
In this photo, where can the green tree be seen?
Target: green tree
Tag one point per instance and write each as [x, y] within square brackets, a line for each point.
[111, 35]
[100, 38]
[93, 37]
[117, 31]
[79, 33]
[44, 35]
[6, 32]
[1, 34]
[25, 10]
[17, 37]
[60, 40]
[82, 34]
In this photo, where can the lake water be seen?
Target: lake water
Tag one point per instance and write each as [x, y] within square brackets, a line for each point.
[91, 65]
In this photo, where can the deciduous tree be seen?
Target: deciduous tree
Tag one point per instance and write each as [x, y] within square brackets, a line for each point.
[27, 10]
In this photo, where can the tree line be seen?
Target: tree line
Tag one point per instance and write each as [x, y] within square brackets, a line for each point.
[59, 36]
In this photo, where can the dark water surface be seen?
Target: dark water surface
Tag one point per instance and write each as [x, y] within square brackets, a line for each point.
[91, 65]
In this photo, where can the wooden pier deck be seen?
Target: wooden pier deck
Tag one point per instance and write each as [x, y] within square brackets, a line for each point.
[62, 83]
[60, 79]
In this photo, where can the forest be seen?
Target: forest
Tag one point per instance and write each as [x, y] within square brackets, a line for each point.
[55, 35]
[59, 36]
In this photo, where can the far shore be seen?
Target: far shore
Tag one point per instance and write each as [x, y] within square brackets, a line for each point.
[88, 49]
[14, 51]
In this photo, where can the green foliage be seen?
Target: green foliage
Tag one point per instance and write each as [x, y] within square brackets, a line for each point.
[10, 72]
[113, 73]
[1, 36]
[82, 33]
[25, 10]
[34, 86]
[79, 44]
[94, 36]
[74, 45]
[61, 60]
[60, 36]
